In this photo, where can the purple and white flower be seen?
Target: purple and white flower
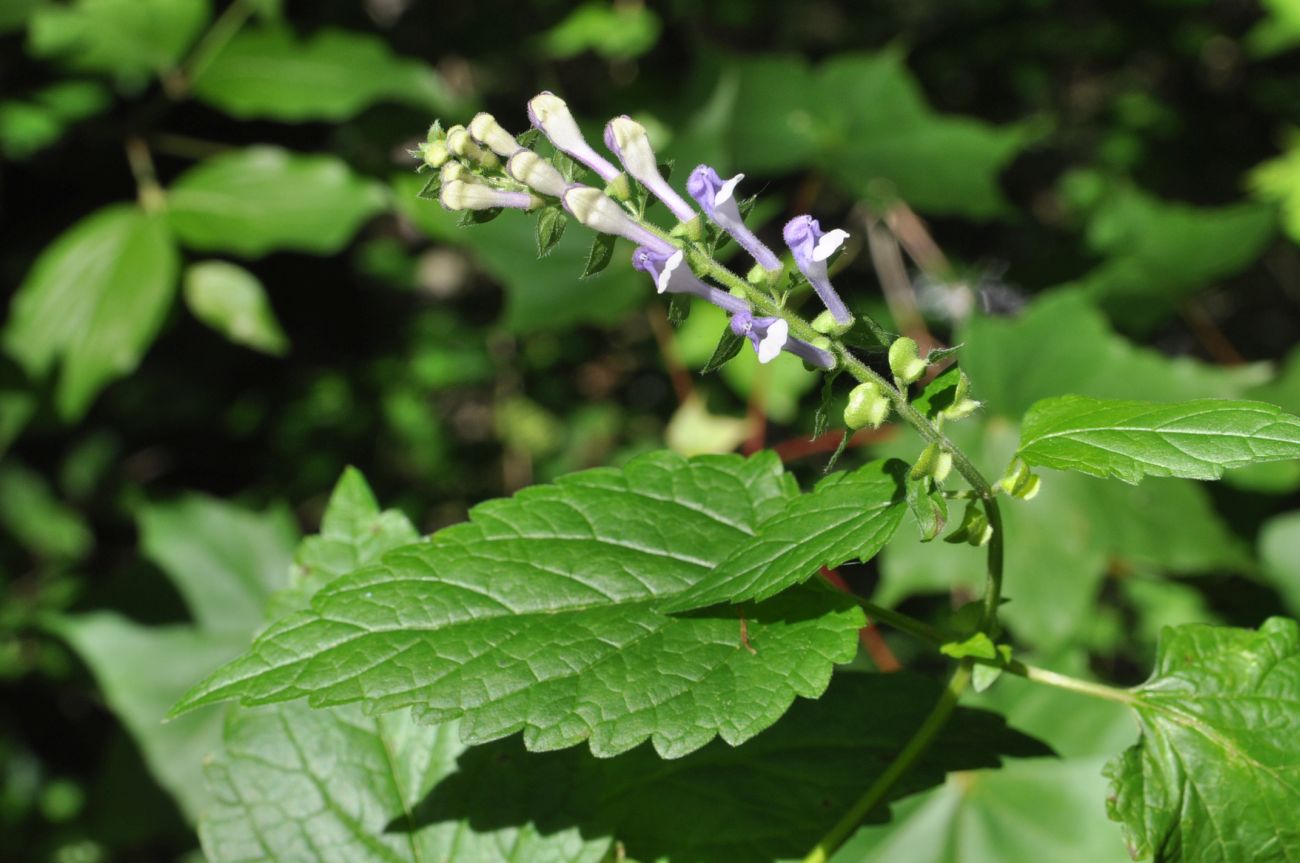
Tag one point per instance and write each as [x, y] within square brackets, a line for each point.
[671, 275]
[598, 211]
[468, 195]
[812, 247]
[767, 335]
[550, 113]
[718, 200]
[627, 139]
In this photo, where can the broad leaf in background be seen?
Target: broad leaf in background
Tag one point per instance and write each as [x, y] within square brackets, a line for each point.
[1216, 773]
[225, 560]
[847, 516]
[615, 32]
[232, 301]
[1283, 391]
[263, 199]
[1129, 440]
[37, 121]
[93, 302]
[863, 118]
[784, 789]
[128, 38]
[270, 73]
[40, 522]
[1279, 31]
[277, 799]
[1160, 252]
[1279, 557]
[541, 614]
[547, 293]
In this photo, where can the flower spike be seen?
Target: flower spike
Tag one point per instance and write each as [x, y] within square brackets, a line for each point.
[812, 247]
[536, 173]
[598, 211]
[672, 276]
[468, 195]
[550, 113]
[718, 199]
[767, 335]
[627, 139]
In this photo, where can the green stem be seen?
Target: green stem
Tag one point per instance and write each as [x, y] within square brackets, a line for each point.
[213, 42]
[897, 769]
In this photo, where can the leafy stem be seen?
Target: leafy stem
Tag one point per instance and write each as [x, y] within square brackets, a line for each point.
[897, 769]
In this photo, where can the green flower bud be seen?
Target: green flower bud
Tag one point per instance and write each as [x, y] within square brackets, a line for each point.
[826, 324]
[459, 143]
[453, 170]
[1019, 481]
[867, 406]
[932, 462]
[434, 154]
[974, 528]
[905, 362]
[960, 410]
[1029, 490]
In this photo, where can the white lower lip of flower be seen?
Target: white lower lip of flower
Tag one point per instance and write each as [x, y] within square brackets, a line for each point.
[772, 342]
[666, 275]
[536, 173]
[728, 190]
[829, 243]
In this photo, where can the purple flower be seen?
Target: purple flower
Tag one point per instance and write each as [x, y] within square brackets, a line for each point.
[627, 139]
[598, 211]
[812, 247]
[671, 275]
[549, 113]
[718, 199]
[767, 335]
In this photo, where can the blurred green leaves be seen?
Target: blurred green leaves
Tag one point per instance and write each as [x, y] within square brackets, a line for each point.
[233, 302]
[30, 125]
[93, 302]
[130, 39]
[616, 31]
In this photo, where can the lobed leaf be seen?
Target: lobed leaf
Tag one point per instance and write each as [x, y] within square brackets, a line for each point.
[849, 515]
[1129, 439]
[542, 614]
[1215, 776]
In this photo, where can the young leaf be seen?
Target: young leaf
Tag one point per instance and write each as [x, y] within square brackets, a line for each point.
[550, 227]
[822, 416]
[602, 249]
[729, 344]
[1216, 773]
[432, 186]
[468, 218]
[1129, 440]
[262, 199]
[679, 309]
[928, 507]
[117, 270]
[938, 394]
[233, 302]
[847, 516]
[541, 614]
[269, 73]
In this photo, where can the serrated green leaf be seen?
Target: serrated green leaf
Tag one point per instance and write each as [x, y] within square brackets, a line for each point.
[542, 614]
[262, 199]
[278, 800]
[225, 560]
[128, 38]
[432, 186]
[847, 516]
[679, 309]
[938, 394]
[783, 790]
[1129, 440]
[270, 73]
[1216, 773]
[233, 302]
[551, 222]
[928, 507]
[93, 302]
[729, 344]
[602, 249]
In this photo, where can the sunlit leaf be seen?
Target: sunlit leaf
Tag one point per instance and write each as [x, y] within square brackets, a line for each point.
[233, 302]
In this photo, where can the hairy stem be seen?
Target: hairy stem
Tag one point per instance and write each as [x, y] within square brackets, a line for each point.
[897, 769]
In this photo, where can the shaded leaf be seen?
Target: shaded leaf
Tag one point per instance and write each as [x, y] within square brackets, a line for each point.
[233, 302]
[602, 249]
[1129, 440]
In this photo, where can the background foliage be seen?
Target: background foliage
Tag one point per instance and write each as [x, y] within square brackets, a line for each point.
[222, 291]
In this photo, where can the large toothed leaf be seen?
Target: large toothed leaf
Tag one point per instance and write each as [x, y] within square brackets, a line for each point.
[263, 199]
[782, 790]
[1129, 440]
[542, 614]
[1215, 777]
[848, 516]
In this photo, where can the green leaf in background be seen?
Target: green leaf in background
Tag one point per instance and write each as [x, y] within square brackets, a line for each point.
[847, 516]
[541, 614]
[225, 560]
[40, 522]
[1216, 773]
[863, 118]
[615, 32]
[353, 532]
[1157, 253]
[1278, 180]
[270, 73]
[278, 800]
[31, 125]
[127, 38]
[1129, 440]
[232, 301]
[547, 294]
[1278, 31]
[93, 302]
[263, 199]
[14, 13]
[1279, 557]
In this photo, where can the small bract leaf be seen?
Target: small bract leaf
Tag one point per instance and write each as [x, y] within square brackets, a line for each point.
[551, 222]
[602, 249]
